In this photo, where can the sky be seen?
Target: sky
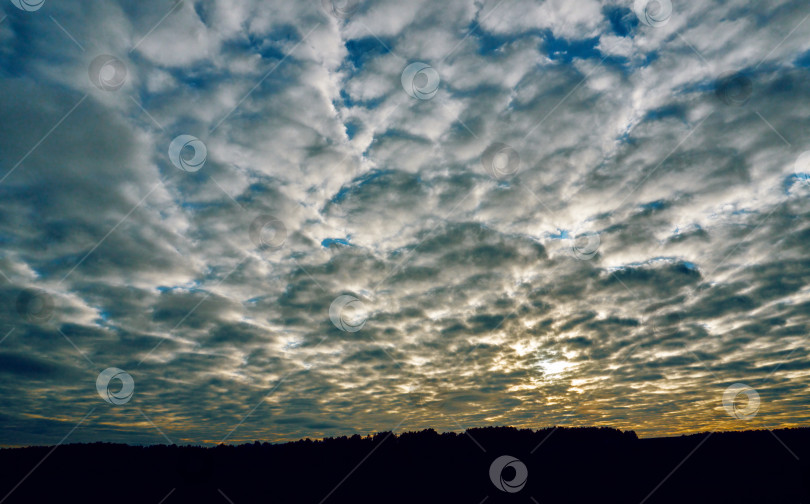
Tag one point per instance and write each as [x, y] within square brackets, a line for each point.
[231, 220]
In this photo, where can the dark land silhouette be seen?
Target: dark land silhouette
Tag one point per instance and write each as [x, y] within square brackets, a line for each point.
[572, 465]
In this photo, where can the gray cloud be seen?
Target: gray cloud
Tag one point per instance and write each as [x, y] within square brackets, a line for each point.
[480, 300]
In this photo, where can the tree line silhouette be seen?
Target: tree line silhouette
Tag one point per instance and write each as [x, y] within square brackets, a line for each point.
[571, 465]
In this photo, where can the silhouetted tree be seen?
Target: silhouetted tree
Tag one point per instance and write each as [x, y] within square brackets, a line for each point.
[570, 465]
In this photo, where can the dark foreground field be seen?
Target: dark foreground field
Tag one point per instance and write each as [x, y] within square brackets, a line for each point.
[571, 465]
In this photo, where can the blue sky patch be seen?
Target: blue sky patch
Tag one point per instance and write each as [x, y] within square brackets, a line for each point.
[328, 242]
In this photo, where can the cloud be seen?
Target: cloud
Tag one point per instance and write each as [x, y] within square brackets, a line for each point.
[647, 251]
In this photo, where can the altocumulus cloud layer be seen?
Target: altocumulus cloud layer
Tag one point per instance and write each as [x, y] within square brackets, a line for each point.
[634, 243]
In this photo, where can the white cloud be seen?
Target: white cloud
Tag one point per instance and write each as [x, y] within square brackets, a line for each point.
[701, 235]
